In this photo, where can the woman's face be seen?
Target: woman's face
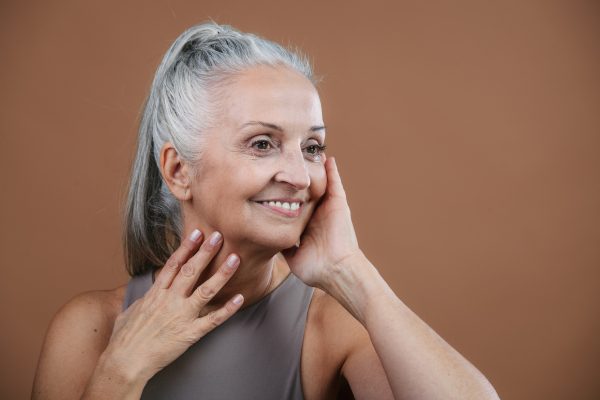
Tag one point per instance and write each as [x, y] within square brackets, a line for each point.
[262, 169]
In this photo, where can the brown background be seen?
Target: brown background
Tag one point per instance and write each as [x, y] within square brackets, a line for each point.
[467, 135]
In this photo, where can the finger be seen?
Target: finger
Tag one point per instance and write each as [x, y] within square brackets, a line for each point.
[186, 250]
[210, 321]
[190, 271]
[205, 292]
[334, 182]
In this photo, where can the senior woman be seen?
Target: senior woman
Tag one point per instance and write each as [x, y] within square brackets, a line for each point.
[230, 172]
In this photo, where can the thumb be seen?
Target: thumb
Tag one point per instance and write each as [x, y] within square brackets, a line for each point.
[334, 182]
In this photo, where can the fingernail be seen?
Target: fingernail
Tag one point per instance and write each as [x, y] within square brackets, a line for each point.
[195, 235]
[238, 299]
[233, 259]
[215, 237]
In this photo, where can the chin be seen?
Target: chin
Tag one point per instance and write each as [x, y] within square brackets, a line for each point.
[277, 240]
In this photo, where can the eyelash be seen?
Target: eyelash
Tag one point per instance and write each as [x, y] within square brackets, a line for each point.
[318, 146]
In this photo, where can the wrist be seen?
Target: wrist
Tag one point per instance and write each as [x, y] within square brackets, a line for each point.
[110, 381]
[356, 284]
[119, 369]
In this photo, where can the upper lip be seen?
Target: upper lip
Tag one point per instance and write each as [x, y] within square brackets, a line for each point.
[282, 200]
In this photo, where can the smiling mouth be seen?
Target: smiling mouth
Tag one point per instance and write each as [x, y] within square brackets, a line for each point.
[289, 209]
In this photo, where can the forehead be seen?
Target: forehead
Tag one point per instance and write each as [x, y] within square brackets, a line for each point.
[280, 96]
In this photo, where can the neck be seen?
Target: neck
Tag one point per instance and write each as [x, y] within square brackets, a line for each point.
[259, 273]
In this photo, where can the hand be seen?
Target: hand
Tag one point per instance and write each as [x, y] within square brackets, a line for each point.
[328, 243]
[161, 325]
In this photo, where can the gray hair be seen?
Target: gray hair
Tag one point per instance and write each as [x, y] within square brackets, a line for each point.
[181, 106]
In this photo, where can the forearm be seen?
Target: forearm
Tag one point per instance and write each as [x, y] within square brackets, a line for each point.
[109, 381]
[418, 363]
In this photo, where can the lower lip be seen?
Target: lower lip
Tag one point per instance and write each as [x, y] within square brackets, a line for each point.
[282, 211]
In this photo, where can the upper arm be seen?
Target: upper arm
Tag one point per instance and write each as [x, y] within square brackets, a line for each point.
[361, 365]
[364, 372]
[76, 337]
[345, 339]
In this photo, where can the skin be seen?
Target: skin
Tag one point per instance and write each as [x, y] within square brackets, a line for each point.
[357, 329]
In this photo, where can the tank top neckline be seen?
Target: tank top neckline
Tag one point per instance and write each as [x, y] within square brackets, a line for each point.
[260, 345]
[284, 282]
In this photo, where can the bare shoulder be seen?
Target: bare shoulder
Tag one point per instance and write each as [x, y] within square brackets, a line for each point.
[331, 335]
[76, 337]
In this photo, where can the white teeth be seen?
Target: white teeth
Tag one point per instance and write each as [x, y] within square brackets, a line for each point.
[284, 205]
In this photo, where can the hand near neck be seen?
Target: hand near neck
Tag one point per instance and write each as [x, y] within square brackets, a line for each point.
[258, 275]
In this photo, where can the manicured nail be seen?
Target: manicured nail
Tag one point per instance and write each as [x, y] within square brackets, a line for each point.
[233, 259]
[195, 235]
[238, 299]
[215, 237]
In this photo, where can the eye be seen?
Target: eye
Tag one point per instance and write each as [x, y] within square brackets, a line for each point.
[312, 149]
[261, 144]
[315, 149]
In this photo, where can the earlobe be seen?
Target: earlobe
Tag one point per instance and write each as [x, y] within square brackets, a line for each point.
[175, 172]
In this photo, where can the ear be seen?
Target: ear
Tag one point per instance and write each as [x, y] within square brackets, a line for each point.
[175, 172]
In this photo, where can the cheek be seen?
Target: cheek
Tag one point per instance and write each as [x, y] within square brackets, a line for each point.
[229, 185]
[248, 179]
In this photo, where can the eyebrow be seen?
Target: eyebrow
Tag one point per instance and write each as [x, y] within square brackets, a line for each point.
[315, 128]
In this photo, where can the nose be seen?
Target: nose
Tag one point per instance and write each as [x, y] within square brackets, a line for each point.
[293, 171]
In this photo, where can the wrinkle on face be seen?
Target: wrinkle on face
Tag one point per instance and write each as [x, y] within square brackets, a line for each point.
[235, 175]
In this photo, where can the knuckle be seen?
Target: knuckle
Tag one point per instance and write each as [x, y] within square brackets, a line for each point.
[172, 263]
[205, 292]
[187, 270]
[228, 309]
[191, 338]
[187, 245]
[208, 248]
[225, 272]
[213, 320]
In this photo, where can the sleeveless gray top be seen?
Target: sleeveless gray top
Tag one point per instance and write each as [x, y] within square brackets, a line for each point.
[255, 354]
